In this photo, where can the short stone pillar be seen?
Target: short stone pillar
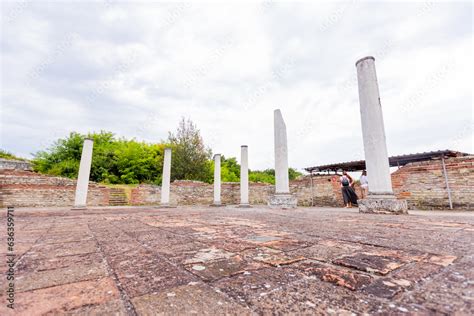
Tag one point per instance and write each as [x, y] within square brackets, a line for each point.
[244, 177]
[282, 197]
[166, 178]
[82, 184]
[380, 198]
[217, 181]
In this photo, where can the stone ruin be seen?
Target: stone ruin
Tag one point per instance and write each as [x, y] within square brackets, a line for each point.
[379, 200]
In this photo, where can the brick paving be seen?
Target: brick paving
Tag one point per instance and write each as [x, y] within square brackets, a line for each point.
[206, 261]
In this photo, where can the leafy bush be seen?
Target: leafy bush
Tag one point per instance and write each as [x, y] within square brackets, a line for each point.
[113, 160]
[121, 161]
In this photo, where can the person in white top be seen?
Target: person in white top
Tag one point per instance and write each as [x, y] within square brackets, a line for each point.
[364, 184]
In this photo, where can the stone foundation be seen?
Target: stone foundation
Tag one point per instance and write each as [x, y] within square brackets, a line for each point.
[283, 200]
[381, 205]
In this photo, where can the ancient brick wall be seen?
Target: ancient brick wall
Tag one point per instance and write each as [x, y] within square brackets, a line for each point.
[196, 192]
[423, 185]
[14, 164]
[184, 192]
[25, 188]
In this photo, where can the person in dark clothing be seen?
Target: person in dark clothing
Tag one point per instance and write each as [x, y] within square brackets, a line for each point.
[348, 193]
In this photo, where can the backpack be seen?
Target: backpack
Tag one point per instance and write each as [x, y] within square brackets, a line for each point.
[345, 182]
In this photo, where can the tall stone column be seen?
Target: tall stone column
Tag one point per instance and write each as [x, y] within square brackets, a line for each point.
[217, 180]
[82, 184]
[381, 198]
[244, 177]
[282, 197]
[165, 184]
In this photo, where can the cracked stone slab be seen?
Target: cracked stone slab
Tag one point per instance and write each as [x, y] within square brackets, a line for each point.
[141, 272]
[214, 270]
[348, 278]
[65, 298]
[271, 256]
[47, 278]
[327, 250]
[380, 263]
[208, 255]
[33, 263]
[112, 307]
[384, 288]
[194, 298]
[253, 285]
[64, 249]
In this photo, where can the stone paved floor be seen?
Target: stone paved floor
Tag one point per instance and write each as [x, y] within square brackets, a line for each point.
[199, 260]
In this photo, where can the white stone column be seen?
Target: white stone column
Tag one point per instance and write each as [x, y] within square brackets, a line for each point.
[217, 180]
[165, 184]
[282, 184]
[82, 184]
[380, 198]
[282, 197]
[244, 176]
[373, 130]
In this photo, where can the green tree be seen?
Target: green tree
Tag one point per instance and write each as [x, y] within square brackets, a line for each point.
[230, 170]
[265, 176]
[113, 160]
[190, 156]
[62, 158]
[293, 173]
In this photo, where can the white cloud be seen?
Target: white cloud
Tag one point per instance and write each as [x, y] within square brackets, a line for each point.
[135, 69]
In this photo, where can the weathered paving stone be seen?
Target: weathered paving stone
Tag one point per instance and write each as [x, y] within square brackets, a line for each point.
[195, 298]
[259, 261]
[63, 249]
[369, 262]
[66, 237]
[20, 248]
[159, 238]
[252, 285]
[178, 253]
[271, 256]
[384, 288]
[141, 272]
[327, 250]
[214, 270]
[208, 255]
[33, 263]
[74, 273]
[234, 245]
[64, 298]
[350, 279]
[286, 244]
[415, 272]
[112, 307]
[113, 247]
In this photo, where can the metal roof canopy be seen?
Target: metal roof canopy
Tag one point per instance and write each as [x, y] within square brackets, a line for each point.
[394, 161]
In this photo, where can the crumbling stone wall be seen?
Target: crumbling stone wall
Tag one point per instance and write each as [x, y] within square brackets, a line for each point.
[185, 192]
[201, 193]
[25, 188]
[423, 185]
[14, 164]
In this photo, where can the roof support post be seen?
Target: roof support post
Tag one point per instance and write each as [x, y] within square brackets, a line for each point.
[312, 192]
[447, 182]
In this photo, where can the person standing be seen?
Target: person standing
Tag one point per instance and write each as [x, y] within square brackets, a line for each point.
[348, 193]
[364, 184]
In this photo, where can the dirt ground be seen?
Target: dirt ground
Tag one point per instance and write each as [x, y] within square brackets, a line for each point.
[227, 260]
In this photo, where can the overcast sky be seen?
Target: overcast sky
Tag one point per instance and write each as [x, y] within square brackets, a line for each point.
[135, 69]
